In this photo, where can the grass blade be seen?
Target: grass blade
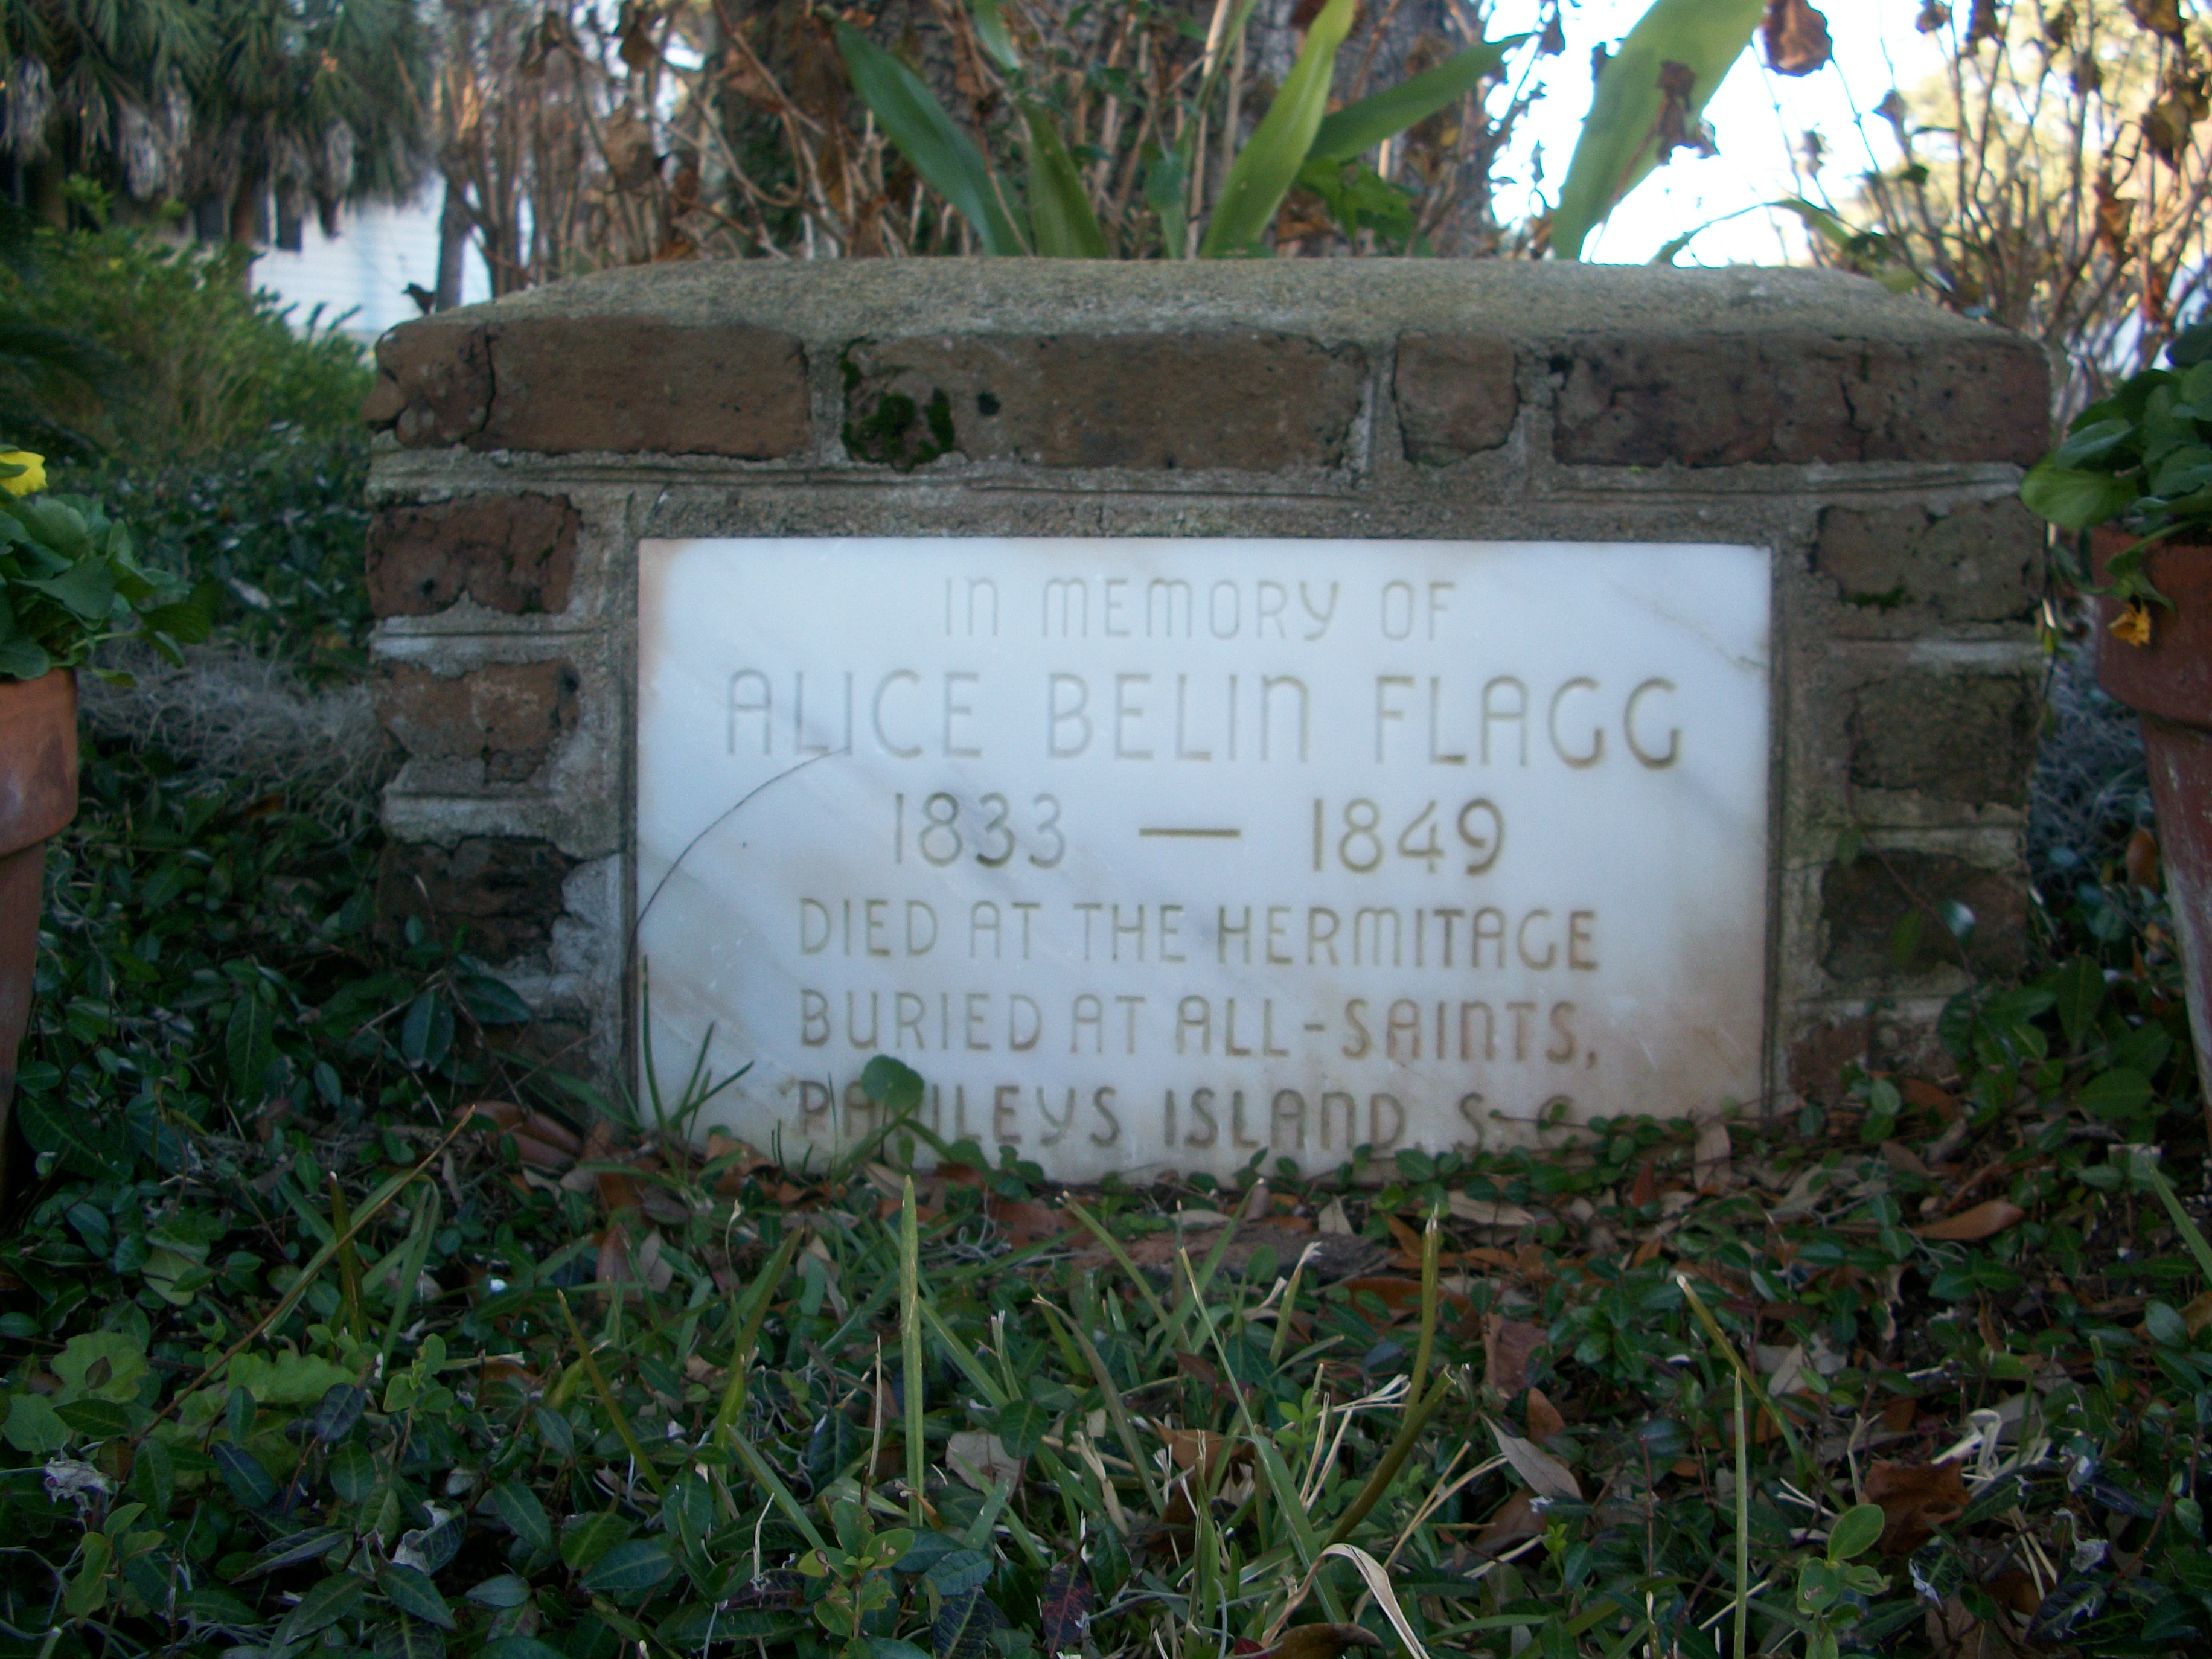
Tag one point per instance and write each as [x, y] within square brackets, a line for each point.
[1117, 1410]
[772, 1483]
[929, 138]
[1410, 1428]
[1742, 1521]
[910, 1347]
[1264, 170]
[410, 1276]
[607, 1394]
[1113, 1245]
[1431, 1244]
[1359, 127]
[755, 1312]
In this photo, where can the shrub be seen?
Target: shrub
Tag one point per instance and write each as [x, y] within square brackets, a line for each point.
[195, 362]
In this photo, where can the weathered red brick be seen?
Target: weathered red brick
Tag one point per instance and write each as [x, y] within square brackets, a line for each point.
[506, 716]
[1794, 401]
[1247, 401]
[557, 385]
[433, 382]
[1978, 563]
[502, 893]
[1456, 395]
[563, 384]
[1863, 904]
[1964, 737]
[511, 553]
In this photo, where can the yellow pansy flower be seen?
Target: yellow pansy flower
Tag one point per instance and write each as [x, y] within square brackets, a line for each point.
[33, 478]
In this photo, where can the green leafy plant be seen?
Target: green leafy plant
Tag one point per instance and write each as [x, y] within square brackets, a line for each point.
[70, 582]
[1296, 142]
[2142, 458]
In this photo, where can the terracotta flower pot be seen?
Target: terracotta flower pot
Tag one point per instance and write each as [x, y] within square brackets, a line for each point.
[38, 797]
[2169, 683]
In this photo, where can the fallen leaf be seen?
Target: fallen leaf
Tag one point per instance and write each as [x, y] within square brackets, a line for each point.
[1546, 1476]
[1064, 1609]
[1544, 1418]
[1484, 1212]
[1203, 1369]
[1644, 1190]
[1507, 1346]
[1198, 1450]
[2142, 858]
[1322, 1641]
[976, 1457]
[1903, 1159]
[1516, 1520]
[2198, 1313]
[1897, 1416]
[1025, 1221]
[1916, 1498]
[1711, 1168]
[1918, 1091]
[1408, 1240]
[1985, 1220]
[1796, 36]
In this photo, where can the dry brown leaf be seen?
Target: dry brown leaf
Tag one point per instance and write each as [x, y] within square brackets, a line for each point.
[1915, 1499]
[975, 1456]
[1197, 1451]
[1025, 1221]
[1644, 1190]
[2198, 1313]
[2142, 858]
[1486, 1213]
[1546, 1476]
[1985, 1220]
[1507, 1347]
[1544, 1418]
[1918, 1091]
[1515, 1521]
[1321, 1642]
[1796, 36]
[1408, 1241]
[1903, 1159]
[1711, 1167]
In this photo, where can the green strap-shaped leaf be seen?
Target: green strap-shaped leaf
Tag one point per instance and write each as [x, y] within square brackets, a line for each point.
[1060, 212]
[916, 123]
[991, 34]
[1359, 127]
[1620, 142]
[1264, 170]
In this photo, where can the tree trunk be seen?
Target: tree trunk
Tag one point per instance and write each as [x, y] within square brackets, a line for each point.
[247, 205]
[453, 243]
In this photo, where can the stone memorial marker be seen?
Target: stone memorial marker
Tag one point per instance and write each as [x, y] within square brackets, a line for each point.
[1151, 852]
[1201, 712]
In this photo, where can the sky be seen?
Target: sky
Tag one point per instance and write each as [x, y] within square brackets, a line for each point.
[1876, 47]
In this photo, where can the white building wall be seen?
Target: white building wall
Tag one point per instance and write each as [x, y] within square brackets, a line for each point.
[359, 276]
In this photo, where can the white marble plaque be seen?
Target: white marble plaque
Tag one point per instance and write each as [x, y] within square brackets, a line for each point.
[1166, 854]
